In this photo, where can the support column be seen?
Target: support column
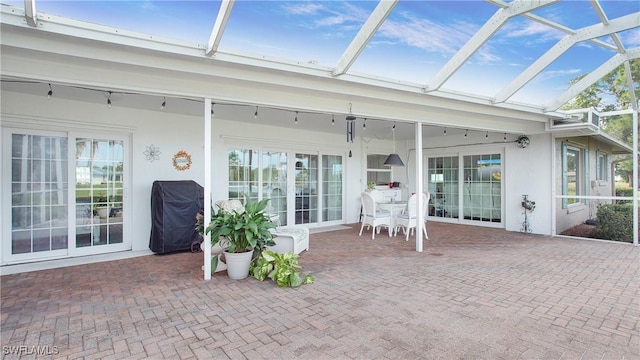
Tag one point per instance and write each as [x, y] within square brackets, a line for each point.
[419, 188]
[635, 176]
[207, 187]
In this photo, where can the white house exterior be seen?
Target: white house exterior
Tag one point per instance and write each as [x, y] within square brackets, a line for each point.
[475, 171]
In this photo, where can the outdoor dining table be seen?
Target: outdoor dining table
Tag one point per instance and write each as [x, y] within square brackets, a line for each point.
[394, 208]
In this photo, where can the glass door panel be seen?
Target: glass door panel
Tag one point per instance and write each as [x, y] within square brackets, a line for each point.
[243, 174]
[331, 188]
[306, 181]
[99, 192]
[443, 179]
[39, 187]
[482, 187]
[274, 184]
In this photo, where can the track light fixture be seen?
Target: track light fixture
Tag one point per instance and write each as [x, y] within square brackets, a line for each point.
[444, 132]
[212, 111]
[466, 132]
[109, 100]
[333, 119]
[164, 103]
[50, 93]
[296, 119]
[255, 114]
[505, 137]
[364, 124]
[486, 136]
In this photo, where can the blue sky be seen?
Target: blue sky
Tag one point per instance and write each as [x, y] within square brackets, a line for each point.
[416, 40]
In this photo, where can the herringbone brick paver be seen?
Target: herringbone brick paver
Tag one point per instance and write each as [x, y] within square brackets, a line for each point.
[474, 292]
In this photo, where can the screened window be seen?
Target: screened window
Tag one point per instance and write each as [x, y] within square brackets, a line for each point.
[377, 172]
[602, 168]
[574, 175]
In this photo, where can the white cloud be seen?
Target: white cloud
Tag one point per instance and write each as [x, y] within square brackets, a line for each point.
[552, 74]
[305, 9]
[148, 5]
[428, 35]
[534, 31]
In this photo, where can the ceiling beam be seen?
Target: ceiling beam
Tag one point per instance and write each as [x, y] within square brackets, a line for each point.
[30, 12]
[553, 25]
[218, 28]
[632, 93]
[592, 77]
[620, 24]
[603, 17]
[482, 36]
[368, 29]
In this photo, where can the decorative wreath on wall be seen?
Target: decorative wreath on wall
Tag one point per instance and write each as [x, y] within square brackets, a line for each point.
[181, 160]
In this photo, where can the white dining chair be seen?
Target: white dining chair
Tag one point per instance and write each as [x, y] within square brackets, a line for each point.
[408, 219]
[372, 216]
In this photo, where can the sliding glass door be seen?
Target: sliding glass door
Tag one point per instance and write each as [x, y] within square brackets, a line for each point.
[466, 187]
[52, 217]
[304, 188]
[99, 192]
[306, 206]
[39, 185]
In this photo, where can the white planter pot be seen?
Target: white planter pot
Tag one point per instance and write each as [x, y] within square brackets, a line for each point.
[238, 264]
[103, 212]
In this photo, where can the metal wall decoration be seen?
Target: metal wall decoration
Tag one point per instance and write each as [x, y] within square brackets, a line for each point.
[152, 153]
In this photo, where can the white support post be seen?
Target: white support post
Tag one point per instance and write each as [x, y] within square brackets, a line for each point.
[207, 187]
[419, 188]
[635, 176]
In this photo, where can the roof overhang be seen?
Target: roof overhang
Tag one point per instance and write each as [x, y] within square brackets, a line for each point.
[68, 52]
[586, 122]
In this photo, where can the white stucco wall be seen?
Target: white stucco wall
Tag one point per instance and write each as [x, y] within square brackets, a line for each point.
[526, 171]
[575, 214]
[172, 133]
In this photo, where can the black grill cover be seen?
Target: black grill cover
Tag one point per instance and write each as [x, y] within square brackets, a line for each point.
[174, 205]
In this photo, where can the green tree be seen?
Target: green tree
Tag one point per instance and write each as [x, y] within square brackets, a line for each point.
[614, 88]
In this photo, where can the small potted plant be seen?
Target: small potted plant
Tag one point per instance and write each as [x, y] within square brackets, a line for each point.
[281, 268]
[101, 207]
[242, 233]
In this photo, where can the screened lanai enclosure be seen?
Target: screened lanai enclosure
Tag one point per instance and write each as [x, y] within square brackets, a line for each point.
[302, 102]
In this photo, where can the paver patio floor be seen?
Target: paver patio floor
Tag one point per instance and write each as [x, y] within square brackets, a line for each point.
[473, 292]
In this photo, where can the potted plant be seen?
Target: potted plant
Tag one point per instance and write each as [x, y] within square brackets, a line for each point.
[281, 268]
[241, 233]
[101, 207]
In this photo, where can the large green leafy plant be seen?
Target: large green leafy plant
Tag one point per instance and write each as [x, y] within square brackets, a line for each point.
[281, 268]
[247, 229]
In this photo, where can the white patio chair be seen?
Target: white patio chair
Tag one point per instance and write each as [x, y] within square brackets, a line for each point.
[377, 195]
[408, 219]
[372, 216]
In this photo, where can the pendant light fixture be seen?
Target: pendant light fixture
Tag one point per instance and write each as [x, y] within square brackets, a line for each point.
[393, 159]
